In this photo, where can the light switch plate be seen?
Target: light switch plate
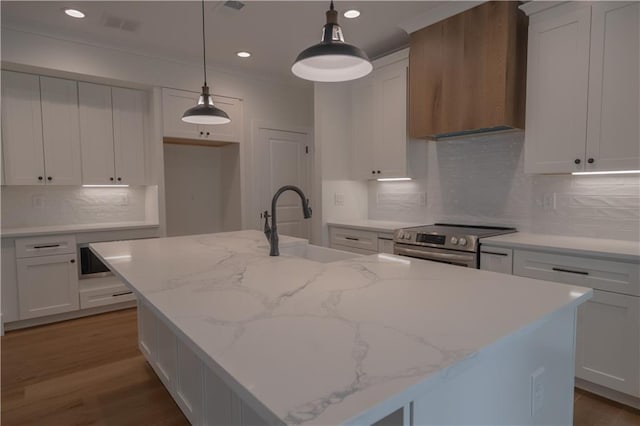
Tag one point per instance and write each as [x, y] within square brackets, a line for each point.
[338, 199]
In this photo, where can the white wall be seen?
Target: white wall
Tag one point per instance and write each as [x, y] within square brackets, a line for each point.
[263, 99]
[482, 181]
[192, 177]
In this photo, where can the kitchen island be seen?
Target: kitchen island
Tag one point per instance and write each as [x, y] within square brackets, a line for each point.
[239, 337]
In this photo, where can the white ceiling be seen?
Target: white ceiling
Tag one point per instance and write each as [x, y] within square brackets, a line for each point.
[274, 32]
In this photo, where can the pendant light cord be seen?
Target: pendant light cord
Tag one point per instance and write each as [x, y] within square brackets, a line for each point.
[204, 48]
[331, 6]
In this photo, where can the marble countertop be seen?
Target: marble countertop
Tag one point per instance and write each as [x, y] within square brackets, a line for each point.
[373, 225]
[70, 229]
[596, 247]
[322, 344]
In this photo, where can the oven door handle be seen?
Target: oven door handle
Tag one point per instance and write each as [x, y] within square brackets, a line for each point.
[428, 255]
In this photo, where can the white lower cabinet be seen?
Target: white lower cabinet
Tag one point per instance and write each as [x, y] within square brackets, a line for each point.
[360, 241]
[496, 259]
[189, 383]
[167, 353]
[608, 326]
[608, 342]
[47, 285]
[147, 332]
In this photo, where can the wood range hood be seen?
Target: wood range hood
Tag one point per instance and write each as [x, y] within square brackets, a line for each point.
[467, 73]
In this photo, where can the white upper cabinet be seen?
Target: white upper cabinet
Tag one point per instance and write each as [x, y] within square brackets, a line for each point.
[61, 131]
[112, 129]
[96, 134]
[128, 135]
[582, 87]
[176, 102]
[379, 123]
[613, 137]
[22, 150]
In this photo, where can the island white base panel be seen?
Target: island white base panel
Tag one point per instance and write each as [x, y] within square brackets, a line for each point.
[611, 394]
[525, 379]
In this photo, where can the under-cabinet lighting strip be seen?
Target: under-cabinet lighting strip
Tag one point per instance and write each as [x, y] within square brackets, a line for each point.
[105, 186]
[617, 172]
[392, 179]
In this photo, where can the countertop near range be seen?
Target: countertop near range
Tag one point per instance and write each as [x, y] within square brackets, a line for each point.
[373, 225]
[327, 343]
[597, 247]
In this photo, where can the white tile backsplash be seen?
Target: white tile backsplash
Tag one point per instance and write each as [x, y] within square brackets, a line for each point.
[482, 181]
[30, 206]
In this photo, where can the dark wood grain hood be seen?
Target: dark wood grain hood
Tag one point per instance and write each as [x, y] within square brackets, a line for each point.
[467, 73]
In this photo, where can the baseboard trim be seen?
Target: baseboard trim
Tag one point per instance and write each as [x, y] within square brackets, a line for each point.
[611, 394]
[32, 322]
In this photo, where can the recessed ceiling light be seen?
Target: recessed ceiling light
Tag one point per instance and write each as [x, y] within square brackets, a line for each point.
[352, 14]
[74, 13]
[243, 54]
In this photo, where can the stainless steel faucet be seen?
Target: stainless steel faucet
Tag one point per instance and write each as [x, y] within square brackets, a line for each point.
[272, 231]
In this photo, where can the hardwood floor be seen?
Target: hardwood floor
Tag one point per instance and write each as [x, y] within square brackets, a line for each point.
[82, 372]
[89, 372]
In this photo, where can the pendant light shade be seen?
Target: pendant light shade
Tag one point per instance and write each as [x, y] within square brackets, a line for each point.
[205, 112]
[332, 59]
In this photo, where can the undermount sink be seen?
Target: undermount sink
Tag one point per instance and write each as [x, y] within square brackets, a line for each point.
[317, 253]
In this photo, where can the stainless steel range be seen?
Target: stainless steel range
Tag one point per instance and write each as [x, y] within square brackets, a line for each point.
[443, 242]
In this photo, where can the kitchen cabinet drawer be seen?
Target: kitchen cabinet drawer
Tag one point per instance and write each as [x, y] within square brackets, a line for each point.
[353, 250]
[385, 244]
[496, 259]
[608, 342]
[45, 246]
[364, 240]
[107, 295]
[619, 277]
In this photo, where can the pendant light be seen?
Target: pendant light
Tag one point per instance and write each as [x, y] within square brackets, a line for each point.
[205, 112]
[332, 59]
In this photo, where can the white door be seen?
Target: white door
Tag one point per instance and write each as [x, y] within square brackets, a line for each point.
[390, 120]
[128, 135]
[47, 285]
[96, 134]
[557, 88]
[613, 135]
[285, 159]
[22, 150]
[608, 342]
[61, 131]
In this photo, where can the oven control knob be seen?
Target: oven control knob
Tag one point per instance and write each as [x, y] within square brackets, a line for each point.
[454, 240]
[407, 236]
[462, 241]
[401, 235]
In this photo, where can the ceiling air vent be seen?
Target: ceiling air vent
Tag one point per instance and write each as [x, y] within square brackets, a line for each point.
[234, 4]
[120, 23]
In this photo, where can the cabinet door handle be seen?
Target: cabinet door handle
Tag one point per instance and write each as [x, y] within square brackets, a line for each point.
[201, 133]
[72, 261]
[124, 293]
[208, 133]
[378, 171]
[49, 178]
[590, 160]
[119, 179]
[352, 238]
[577, 161]
[111, 179]
[40, 178]
[373, 172]
[570, 271]
[46, 246]
[494, 252]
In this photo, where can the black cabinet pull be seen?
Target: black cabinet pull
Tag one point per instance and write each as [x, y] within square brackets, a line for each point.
[373, 172]
[119, 179]
[46, 246]
[124, 293]
[494, 252]
[590, 160]
[208, 133]
[378, 171]
[570, 271]
[201, 133]
[72, 261]
[577, 161]
[352, 238]
[40, 178]
[49, 178]
[111, 179]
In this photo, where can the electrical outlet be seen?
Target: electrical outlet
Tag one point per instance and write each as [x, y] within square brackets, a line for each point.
[37, 201]
[123, 200]
[537, 390]
[549, 201]
[338, 199]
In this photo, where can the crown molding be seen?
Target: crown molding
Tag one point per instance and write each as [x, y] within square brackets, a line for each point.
[437, 14]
